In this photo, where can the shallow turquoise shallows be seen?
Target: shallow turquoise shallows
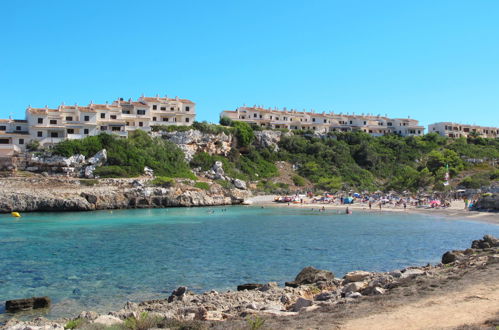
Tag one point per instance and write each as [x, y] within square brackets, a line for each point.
[99, 260]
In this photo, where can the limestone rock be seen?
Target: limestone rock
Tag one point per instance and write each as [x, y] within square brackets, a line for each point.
[301, 303]
[239, 184]
[311, 275]
[356, 276]
[99, 158]
[107, 320]
[249, 286]
[449, 257]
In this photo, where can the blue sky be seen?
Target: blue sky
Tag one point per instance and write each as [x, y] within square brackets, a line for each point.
[431, 60]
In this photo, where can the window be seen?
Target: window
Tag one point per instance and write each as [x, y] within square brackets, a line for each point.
[39, 134]
[351, 122]
[153, 118]
[325, 120]
[53, 122]
[87, 118]
[85, 131]
[21, 141]
[69, 118]
[365, 123]
[165, 119]
[113, 116]
[40, 120]
[103, 128]
[172, 108]
[4, 141]
[155, 107]
[3, 128]
[54, 134]
[254, 115]
[187, 108]
[163, 108]
[141, 112]
[70, 131]
[18, 128]
[141, 124]
[115, 128]
[125, 112]
[186, 120]
[313, 119]
[103, 115]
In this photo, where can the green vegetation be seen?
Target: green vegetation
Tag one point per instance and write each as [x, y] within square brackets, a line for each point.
[73, 324]
[255, 322]
[162, 181]
[252, 165]
[128, 157]
[359, 161]
[336, 161]
[89, 182]
[143, 322]
[298, 180]
[202, 185]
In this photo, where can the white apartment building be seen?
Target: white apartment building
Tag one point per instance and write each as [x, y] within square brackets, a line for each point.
[454, 130]
[50, 126]
[324, 122]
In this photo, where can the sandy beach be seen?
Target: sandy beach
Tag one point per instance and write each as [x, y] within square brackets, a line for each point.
[455, 211]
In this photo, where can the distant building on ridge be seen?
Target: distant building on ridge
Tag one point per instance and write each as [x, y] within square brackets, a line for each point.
[324, 122]
[51, 126]
[454, 130]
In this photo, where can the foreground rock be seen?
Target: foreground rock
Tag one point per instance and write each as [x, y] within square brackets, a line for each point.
[270, 301]
[18, 305]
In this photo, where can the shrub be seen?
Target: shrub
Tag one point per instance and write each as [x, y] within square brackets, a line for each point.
[163, 181]
[225, 121]
[225, 184]
[243, 133]
[255, 322]
[33, 145]
[128, 157]
[113, 171]
[202, 185]
[298, 180]
[144, 322]
[73, 324]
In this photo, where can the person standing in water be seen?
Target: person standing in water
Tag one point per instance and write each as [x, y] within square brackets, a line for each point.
[347, 211]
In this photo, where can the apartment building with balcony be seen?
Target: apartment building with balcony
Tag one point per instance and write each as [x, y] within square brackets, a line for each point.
[324, 122]
[53, 125]
[454, 130]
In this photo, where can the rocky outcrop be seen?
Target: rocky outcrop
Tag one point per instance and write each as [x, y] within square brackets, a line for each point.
[193, 141]
[69, 195]
[269, 139]
[18, 305]
[75, 166]
[488, 202]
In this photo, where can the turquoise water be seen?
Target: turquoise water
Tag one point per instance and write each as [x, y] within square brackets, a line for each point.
[99, 260]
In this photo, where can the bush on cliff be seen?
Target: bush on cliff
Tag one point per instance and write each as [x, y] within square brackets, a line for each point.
[128, 157]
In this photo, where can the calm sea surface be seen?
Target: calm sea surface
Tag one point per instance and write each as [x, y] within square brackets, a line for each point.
[99, 260]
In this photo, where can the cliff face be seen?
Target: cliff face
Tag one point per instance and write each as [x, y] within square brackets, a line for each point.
[62, 194]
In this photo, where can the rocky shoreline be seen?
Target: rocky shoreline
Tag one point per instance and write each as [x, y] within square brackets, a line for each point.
[313, 300]
[57, 193]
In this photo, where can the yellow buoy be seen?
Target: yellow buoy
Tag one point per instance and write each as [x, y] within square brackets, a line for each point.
[15, 214]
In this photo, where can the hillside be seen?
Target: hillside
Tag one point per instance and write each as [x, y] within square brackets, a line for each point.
[331, 162]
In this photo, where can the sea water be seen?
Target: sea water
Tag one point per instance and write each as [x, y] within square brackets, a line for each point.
[99, 260]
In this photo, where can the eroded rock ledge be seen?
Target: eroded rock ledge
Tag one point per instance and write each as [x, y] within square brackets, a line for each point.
[311, 290]
[69, 194]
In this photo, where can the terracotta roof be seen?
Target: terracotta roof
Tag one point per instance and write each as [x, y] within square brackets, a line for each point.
[164, 99]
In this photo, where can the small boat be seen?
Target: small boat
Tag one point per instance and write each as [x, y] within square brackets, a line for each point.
[15, 214]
